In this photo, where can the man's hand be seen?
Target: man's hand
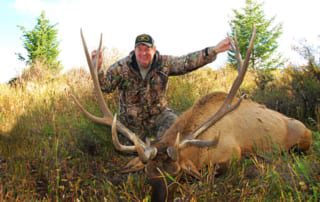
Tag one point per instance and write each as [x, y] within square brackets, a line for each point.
[223, 45]
[94, 60]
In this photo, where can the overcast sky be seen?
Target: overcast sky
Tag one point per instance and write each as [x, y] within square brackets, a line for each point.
[178, 26]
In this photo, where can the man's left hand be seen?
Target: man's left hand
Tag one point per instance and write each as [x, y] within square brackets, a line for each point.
[223, 45]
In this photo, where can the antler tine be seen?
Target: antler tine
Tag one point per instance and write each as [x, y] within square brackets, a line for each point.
[144, 151]
[199, 143]
[88, 114]
[115, 139]
[226, 106]
[248, 53]
[117, 126]
[236, 84]
[237, 51]
[93, 71]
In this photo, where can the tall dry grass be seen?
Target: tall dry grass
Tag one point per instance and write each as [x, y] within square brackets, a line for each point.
[50, 152]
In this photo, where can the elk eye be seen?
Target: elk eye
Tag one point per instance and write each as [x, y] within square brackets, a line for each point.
[172, 153]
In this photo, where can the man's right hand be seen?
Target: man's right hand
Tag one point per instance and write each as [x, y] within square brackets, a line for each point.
[100, 58]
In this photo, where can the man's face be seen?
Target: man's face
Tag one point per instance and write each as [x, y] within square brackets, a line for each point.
[144, 55]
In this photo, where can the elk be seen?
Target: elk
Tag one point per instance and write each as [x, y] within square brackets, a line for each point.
[214, 130]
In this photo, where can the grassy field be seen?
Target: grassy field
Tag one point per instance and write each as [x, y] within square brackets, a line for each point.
[50, 152]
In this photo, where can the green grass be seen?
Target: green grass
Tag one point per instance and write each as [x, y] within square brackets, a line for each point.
[50, 152]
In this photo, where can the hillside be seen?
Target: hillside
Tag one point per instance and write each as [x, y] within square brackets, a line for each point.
[50, 152]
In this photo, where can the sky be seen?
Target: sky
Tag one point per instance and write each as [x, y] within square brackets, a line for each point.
[177, 26]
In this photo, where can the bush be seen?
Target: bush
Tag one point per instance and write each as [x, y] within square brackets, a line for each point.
[295, 92]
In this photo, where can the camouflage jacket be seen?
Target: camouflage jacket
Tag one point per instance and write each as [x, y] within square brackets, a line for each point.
[141, 100]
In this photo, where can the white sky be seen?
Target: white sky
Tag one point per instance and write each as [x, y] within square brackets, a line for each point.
[178, 26]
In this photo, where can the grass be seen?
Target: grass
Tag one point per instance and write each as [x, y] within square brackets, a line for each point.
[50, 152]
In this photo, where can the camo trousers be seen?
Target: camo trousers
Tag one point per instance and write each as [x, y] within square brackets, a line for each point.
[163, 122]
[153, 128]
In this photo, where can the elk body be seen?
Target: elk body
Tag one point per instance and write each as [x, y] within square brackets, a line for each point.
[249, 127]
[216, 129]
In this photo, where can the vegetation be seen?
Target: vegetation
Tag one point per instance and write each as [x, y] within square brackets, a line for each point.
[50, 152]
[41, 44]
[264, 51]
[296, 90]
[264, 57]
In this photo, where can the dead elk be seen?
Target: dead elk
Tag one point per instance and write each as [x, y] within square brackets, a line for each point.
[213, 131]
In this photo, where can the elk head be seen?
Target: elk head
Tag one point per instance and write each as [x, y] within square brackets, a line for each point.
[162, 158]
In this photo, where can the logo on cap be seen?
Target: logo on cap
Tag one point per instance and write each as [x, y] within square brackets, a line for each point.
[144, 38]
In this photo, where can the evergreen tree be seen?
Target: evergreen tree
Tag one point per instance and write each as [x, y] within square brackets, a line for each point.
[41, 44]
[263, 53]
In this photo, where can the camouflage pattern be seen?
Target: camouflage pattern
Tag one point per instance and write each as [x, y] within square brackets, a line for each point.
[163, 122]
[143, 102]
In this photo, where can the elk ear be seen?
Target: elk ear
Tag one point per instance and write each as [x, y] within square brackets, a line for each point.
[173, 151]
[188, 167]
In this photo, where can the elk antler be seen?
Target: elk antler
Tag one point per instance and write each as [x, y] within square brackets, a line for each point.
[226, 106]
[145, 151]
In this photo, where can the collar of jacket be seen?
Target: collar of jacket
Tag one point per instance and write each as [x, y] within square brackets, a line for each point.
[134, 64]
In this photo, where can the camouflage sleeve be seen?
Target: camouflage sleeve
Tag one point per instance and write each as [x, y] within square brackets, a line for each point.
[109, 80]
[187, 63]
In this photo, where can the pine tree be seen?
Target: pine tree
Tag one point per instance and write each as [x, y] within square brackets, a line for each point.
[264, 52]
[41, 44]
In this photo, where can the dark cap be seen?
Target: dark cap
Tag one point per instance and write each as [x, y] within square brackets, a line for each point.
[145, 39]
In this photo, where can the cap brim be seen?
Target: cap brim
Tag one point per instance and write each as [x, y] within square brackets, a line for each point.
[144, 43]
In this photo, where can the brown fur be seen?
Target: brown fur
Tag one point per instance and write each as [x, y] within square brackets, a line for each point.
[250, 126]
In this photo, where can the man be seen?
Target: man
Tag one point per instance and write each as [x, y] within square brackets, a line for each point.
[142, 79]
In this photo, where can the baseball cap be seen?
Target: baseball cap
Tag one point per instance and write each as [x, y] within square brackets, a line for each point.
[145, 39]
